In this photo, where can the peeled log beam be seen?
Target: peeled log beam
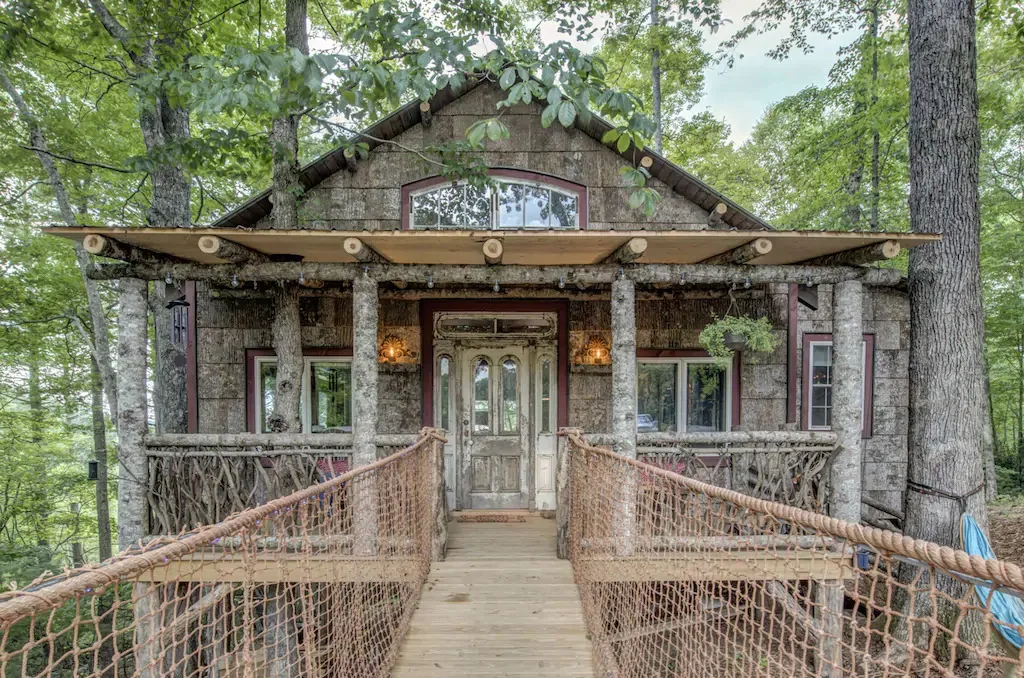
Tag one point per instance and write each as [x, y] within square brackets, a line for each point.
[715, 218]
[360, 251]
[742, 254]
[493, 251]
[628, 252]
[426, 117]
[595, 274]
[102, 246]
[880, 251]
[230, 251]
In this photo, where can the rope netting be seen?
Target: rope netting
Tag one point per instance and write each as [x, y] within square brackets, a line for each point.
[679, 577]
[322, 582]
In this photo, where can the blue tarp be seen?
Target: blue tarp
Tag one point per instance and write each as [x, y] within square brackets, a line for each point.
[1006, 608]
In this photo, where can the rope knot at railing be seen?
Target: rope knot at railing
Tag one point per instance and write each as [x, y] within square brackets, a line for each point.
[682, 575]
[322, 581]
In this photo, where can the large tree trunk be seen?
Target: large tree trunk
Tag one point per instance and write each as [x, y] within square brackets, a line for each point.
[947, 396]
[284, 133]
[132, 330]
[99, 451]
[287, 338]
[876, 176]
[656, 80]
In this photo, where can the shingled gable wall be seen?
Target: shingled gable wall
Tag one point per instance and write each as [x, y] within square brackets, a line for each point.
[370, 197]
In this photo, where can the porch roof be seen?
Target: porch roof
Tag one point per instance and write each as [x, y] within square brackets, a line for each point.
[461, 247]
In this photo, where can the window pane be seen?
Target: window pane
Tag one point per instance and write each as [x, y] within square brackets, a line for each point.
[705, 398]
[449, 206]
[481, 396]
[268, 382]
[478, 207]
[545, 396]
[444, 372]
[509, 396]
[510, 205]
[820, 395]
[564, 209]
[331, 397]
[424, 209]
[656, 397]
[538, 206]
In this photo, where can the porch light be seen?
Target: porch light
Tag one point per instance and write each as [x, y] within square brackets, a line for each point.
[597, 352]
[392, 349]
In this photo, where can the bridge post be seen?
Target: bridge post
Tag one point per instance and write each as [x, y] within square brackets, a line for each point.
[845, 474]
[624, 406]
[364, 411]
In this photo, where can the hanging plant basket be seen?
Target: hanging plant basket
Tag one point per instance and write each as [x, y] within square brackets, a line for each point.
[734, 341]
[728, 334]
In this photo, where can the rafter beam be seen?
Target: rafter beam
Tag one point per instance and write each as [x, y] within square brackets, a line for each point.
[742, 254]
[716, 216]
[363, 253]
[102, 246]
[230, 251]
[493, 251]
[628, 252]
[426, 116]
[595, 274]
[879, 251]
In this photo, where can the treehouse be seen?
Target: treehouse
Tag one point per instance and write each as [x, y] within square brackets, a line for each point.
[502, 313]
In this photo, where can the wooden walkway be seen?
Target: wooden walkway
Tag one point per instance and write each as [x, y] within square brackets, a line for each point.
[501, 604]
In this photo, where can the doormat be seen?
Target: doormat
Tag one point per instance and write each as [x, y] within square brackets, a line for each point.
[490, 518]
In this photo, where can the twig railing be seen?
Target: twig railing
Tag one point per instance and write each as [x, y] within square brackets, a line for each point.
[734, 585]
[322, 582]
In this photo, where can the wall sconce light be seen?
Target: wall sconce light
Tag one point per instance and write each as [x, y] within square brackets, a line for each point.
[597, 351]
[392, 349]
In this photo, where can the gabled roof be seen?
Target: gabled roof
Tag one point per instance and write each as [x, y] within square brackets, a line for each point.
[408, 116]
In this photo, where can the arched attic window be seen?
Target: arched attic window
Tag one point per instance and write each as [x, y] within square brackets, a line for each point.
[517, 200]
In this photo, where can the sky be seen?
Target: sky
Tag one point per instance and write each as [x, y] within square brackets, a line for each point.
[742, 93]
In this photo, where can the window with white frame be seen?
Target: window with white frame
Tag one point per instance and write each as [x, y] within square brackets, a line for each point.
[509, 203]
[819, 380]
[682, 394]
[326, 398]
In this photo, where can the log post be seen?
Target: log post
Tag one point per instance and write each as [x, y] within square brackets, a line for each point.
[364, 410]
[230, 251]
[132, 350]
[624, 406]
[563, 491]
[628, 252]
[493, 251]
[287, 340]
[439, 542]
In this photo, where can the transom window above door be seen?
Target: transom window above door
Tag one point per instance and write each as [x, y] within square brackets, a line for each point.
[515, 200]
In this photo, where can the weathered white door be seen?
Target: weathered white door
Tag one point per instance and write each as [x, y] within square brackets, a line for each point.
[495, 459]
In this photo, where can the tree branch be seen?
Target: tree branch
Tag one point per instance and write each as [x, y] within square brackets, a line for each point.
[68, 158]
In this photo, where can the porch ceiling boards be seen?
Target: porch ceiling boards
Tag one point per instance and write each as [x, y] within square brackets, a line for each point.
[458, 247]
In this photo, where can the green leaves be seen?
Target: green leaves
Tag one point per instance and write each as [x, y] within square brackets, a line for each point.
[491, 129]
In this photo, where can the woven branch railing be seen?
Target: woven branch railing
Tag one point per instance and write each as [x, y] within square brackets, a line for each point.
[200, 479]
[321, 582]
[679, 577]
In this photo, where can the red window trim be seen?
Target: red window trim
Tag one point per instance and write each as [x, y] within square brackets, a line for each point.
[869, 380]
[250, 374]
[737, 368]
[572, 187]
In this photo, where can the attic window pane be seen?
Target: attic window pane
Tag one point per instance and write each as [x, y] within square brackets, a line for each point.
[449, 206]
[510, 205]
[424, 209]
[538, 206]
[478, 207]
[564, 210]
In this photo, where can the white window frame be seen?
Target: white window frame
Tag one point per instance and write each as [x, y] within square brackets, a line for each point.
[681, 395]
[306, 385]
[809, 362]
[494, 199]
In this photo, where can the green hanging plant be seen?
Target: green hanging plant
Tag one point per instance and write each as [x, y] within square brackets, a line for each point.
[730, 333]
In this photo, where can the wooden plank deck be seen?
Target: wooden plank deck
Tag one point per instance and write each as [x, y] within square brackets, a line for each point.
[501, 604]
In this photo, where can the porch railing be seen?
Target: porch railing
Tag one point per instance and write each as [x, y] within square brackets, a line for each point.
[200, 479]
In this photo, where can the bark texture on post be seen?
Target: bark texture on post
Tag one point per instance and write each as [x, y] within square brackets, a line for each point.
[847, 396]
[171, 394]
[364, 412]
[133, 335]
[624, 366]
[947, 395]
[287, 340]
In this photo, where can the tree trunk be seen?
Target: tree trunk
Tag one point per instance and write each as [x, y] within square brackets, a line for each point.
[171, 394]
[875, 138]
[287, 340]
[99, 451]
[132, 333]
[947, 396]
[284, 131]
[656, 79]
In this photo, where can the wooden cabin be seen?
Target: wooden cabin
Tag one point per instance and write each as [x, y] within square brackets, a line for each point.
[502, 314]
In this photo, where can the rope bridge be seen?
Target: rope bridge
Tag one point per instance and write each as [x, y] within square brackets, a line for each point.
[679, 577]
[322, 582]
